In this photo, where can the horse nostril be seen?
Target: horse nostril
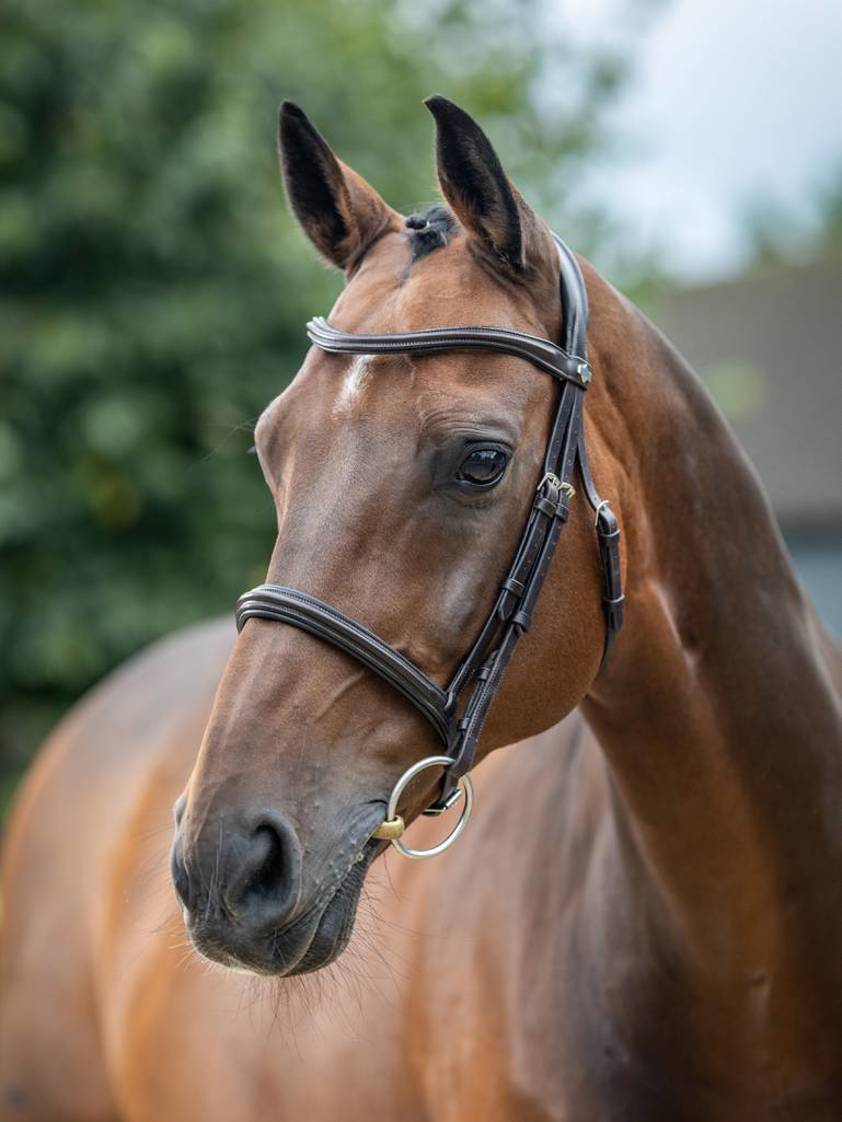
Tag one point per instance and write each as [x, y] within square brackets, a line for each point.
[267, 884]
[267, 876]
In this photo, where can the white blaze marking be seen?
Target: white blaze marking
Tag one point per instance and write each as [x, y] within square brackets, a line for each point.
[356, 378]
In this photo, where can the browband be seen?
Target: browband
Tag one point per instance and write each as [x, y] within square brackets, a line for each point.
[483, 666]
[540, 352]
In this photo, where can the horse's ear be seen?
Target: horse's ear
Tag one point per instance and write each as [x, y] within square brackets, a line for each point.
[478, 190]
[340, 213]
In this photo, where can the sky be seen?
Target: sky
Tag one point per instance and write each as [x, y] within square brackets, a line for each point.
[730, 102]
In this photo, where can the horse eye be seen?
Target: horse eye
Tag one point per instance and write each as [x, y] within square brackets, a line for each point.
[483, 467]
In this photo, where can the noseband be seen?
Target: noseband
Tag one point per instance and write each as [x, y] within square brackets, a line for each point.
[459, 723]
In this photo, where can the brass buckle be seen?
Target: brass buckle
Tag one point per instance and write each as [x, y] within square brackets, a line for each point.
[566, 489]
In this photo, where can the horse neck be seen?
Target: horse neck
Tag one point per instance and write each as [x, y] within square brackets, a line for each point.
[718, 715]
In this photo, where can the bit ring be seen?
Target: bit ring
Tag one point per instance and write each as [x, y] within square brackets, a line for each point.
[392, 826]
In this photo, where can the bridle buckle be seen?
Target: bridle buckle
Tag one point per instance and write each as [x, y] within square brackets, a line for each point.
[563, 487]
[443, 803]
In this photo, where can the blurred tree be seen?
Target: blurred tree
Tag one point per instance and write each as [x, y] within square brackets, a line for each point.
[154, 288]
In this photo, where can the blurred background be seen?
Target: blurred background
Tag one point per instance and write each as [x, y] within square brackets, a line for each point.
[154, 288]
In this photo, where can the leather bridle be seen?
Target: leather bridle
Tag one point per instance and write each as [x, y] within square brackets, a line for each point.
[458, 724]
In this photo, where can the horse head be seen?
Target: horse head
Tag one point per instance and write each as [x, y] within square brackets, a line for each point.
[402, 483]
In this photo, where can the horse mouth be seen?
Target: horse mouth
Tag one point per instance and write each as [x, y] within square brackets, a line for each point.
[313, 940]
[334, 925]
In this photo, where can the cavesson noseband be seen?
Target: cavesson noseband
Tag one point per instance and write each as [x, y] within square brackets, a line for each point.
[459, 726]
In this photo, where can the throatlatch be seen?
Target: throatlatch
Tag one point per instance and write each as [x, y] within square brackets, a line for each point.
[459, 727]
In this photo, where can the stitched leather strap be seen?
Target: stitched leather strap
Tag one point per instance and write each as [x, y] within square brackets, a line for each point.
[608, 534]
[540, 352]
[289, 605]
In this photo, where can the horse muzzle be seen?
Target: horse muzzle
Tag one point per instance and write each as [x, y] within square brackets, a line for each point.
[249, 902]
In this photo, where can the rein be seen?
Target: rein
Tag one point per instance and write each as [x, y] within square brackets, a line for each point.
[459, 726]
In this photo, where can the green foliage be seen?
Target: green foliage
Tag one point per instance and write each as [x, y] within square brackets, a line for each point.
[155, 289]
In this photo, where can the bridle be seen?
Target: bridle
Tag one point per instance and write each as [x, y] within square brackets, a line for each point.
[459, 725]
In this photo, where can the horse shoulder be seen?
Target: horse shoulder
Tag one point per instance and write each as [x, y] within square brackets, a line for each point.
[96, 801]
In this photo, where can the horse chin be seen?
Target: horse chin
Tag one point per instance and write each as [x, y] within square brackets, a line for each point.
[314, 940]
[333, 928]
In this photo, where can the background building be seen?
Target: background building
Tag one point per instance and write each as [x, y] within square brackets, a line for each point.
[769, 347]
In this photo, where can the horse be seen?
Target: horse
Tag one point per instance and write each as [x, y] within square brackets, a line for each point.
[642, 919]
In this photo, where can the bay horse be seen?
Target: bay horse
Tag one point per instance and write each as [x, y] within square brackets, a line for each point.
[643, 920]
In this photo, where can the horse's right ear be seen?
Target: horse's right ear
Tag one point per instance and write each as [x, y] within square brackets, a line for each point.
[339, 212]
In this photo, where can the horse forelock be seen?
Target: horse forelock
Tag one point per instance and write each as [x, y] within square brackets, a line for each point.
[430, 230]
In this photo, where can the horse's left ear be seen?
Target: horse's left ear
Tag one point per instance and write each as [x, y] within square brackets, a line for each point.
[479, 191]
